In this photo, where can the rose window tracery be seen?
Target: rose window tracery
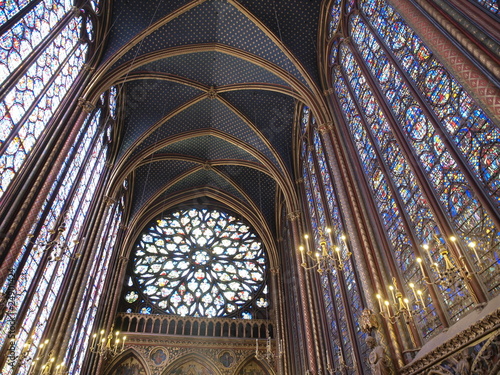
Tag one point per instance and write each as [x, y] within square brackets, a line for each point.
[198, 262]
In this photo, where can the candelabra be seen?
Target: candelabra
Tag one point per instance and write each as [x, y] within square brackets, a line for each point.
[49, 361]
[50, 367]
[325, 258]
[57, 247]
[107, 345]
[269, 354]
[450, 273]
[401, 306]
[340, 364]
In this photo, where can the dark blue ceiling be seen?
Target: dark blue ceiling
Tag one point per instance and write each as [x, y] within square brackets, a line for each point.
[260, 187]
[295, 22]
[147, 101]
[150, 178]
[213, 69]
[208, 148]
[249, 113]
[272, 114]
[208, 114]
[133, 16]
[212, 21]
[201, 181]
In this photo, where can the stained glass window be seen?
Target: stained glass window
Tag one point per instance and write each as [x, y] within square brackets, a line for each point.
[491, 5]
[400, 103]
[41, 267]
[31, 97]
[198, 262]
[81, 333]
[334, 16]
[337, 286]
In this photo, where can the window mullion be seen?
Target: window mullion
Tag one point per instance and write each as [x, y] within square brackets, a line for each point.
[340, 274]
[18, 16]
[15, 76]
[475, 183]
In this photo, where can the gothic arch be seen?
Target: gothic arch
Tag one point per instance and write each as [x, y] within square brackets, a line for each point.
[132, 360]
[181, 365]
[252, 361]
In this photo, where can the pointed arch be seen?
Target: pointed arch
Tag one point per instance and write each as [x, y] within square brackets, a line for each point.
[192, 361]
[252, 363]
[130, 359]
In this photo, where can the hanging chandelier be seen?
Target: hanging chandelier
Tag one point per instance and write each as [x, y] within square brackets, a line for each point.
[57, 247]
[107, 345]
[400, 305]
[329, 255]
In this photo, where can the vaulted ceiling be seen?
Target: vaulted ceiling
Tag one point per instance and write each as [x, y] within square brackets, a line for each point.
[208, 96]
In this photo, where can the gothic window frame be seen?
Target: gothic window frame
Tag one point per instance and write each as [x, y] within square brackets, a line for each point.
[259, 304]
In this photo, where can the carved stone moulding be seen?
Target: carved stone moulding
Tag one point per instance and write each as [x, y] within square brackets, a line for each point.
[481, 331]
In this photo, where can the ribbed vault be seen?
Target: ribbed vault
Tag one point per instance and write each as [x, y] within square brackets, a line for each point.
[208, 91]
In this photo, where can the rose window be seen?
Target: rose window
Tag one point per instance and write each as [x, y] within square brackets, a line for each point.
[198, 262]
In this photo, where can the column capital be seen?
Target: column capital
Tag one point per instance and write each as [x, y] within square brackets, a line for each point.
[109, 200]
[325, 127]
[292, 216]
[86, 105]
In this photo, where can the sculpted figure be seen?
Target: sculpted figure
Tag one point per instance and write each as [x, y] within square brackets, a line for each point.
[463, 365]
[377, 357]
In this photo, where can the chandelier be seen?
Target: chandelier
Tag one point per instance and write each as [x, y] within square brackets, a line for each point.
[328, 256]
[107, 345]
[50, 365]
[269, 354]
[400, 305]
[57, 247]
[451, 272]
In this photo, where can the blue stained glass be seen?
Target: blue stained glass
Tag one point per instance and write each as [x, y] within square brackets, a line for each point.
[10, 8]
[181, 265]
[304, 120]
[94, 288]
[334, 16]
[30, 104]
[19, 41]
[442, 170]
[490, 5]
[390, 213]
[44, 298]
[334, 305]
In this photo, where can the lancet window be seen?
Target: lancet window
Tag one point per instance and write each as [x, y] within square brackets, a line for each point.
[430, 159]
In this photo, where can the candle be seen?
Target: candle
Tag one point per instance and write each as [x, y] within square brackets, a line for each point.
[302, 257]
[387, 306]
[453, 240]
[420, 294]
[391, 288]
[412, 286]
[306, 238]
[379, 298]
[337, 251]
[329, 231]
[419, 261]
[407, 303]
[428, 251]
[472, 245]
